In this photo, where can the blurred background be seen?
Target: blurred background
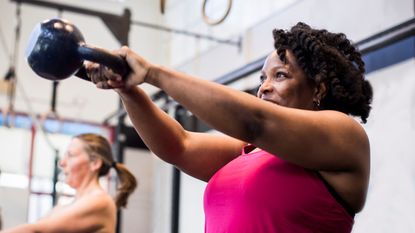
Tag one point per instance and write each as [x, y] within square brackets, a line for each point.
[220, 40]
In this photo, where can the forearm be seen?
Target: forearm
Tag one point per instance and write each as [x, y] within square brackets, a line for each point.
[25, 228]
[163, 135]
[229, 111]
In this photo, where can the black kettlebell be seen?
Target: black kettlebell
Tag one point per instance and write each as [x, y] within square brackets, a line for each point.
[57, 50]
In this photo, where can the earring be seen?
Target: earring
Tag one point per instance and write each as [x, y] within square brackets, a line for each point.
[316, 104]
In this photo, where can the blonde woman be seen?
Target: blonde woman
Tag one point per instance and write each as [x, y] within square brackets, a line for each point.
[87, 158]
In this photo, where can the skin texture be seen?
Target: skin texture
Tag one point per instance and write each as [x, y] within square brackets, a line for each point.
[93, 209]
[285, 85]
[282, 121]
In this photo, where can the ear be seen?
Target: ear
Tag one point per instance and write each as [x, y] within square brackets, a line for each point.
[319, 92]
[95, 164]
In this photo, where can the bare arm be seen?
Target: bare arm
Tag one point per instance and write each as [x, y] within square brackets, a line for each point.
[323, 140]
[198, 154]
[87, 215]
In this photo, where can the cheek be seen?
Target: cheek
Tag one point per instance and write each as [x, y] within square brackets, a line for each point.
[77, 170]
[290, 95]
[284, 92]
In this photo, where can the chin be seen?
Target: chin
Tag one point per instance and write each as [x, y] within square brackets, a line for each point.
[70, 183]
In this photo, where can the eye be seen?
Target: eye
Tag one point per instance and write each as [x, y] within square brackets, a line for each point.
[262, 78]
[70, 155]
[280, 74]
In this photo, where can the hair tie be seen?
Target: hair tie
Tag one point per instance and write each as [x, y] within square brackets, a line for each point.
[114, 164]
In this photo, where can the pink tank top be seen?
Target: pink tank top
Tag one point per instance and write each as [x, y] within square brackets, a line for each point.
[261, 193]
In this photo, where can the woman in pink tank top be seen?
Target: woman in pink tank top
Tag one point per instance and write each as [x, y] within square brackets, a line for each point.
[305, 164]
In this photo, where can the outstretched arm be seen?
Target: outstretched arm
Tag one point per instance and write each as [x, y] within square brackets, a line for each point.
[198, 154]
[292, 134]
[87, 215]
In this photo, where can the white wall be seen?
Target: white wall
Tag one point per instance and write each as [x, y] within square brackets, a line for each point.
[357, 19]
[191, 204]
[13, 206]
[15, 146]
[391, 130]
[137, 216]
[148, 209]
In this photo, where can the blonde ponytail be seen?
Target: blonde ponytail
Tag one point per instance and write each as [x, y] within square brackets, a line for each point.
[127, 185]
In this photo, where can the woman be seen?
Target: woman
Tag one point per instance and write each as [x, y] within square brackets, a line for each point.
[87, 158]
[304, 165]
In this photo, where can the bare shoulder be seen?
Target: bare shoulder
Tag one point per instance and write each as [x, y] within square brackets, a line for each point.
[93, 212]
[348, 127]
[99, 201]
[339, 117]
[353, 143]
[349, 136]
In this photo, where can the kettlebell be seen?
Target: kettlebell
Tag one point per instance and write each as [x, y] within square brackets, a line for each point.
[57, 50]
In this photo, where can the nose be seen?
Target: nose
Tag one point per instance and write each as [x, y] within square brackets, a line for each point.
[265, 88]
[62, 162]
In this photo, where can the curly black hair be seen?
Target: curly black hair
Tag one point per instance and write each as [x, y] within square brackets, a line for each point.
[332, 59]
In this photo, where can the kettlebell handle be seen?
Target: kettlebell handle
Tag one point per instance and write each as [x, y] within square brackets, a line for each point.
[101, 56]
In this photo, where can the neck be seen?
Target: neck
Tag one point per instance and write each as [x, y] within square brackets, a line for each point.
[88, 185]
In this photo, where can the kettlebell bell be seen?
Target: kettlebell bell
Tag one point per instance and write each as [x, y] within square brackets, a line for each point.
[57, 50]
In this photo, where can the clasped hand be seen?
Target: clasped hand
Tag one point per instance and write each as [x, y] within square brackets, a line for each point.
[105, 78]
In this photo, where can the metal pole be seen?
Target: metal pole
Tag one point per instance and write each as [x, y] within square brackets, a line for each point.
[237, 43]
[119, 154]
[55, 178]
[179, 115]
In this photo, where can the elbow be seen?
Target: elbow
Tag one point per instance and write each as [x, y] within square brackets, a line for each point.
[173, 155]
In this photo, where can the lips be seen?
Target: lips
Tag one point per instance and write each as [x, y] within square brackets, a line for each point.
[269, 100]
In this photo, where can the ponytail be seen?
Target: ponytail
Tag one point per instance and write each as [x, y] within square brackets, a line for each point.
[127, 184]
[98, 147]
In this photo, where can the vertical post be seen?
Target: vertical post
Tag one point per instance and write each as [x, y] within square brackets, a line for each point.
[189, 123]
[55, 178]
[175, 201]
[121, 32]
[54, 96]
[119, 145]
[31, 155]
[180, 115]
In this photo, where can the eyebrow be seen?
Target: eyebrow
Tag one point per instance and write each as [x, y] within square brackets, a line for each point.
[274, 68]
[69, 153]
